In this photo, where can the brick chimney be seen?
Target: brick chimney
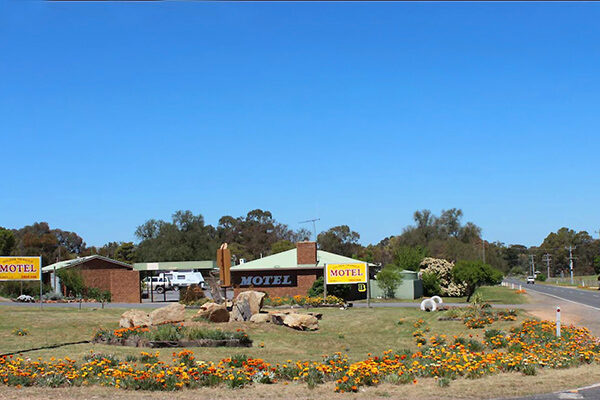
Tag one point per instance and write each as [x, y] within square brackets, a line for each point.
[306, 253]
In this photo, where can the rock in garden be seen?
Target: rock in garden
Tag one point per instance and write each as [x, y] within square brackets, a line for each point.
[247, 304]
[254, 299]
[302, 322]
[261, 318]
[277, 318]
[317, 315]
[214, 312]
[169, 314]
[133, 318]
[241, 311]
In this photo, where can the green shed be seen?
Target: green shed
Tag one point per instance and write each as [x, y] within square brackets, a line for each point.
[410, 288]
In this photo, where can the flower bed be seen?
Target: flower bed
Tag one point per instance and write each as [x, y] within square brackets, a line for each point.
[478, 316]
[172, 336]
[329, 301]
[525, 349]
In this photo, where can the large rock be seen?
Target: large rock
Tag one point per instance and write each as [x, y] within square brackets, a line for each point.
[302, 322]
[247, 304]
[172, 313]
[261, 318]
[277, 318]
[214, 312]
[132, 318]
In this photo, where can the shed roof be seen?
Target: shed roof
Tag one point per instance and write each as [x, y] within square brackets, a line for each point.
[288, 260]
[80, 260]
[174, 265]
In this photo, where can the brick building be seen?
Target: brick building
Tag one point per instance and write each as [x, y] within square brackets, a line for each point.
[288, 273]
[103, 273]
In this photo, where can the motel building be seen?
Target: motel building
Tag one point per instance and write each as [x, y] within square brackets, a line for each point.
[293, 272]
[288, 273]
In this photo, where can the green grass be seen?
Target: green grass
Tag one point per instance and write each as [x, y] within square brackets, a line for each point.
[356, 332]
[587, 280]
[491, 294]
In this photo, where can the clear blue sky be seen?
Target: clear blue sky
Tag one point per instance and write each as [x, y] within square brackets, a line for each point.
[360, 114]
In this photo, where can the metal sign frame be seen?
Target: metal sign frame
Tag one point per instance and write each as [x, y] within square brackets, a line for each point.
[366, 282]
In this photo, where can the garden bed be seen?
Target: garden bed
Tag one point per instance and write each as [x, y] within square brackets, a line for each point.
[137, 341]
[172, 336]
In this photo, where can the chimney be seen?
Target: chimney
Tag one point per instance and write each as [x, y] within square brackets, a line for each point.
[306, 253]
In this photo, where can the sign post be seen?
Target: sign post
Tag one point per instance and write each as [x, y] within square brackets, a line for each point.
[22, 269]
[338, 274]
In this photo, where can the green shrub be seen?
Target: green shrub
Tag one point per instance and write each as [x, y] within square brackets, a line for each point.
[171, 333]
[528, 370]
[341, 291]
[431, 284]
[72, 280]
[15, 289]
[443, 382]
[389, 279]
[541, 277]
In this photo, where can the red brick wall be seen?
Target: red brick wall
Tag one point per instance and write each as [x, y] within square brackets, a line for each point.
[305, 279]
[122, 282]
[306, 253]
[98, 278]
[125, 286]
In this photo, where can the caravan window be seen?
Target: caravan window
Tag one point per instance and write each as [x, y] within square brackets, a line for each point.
[181, 277]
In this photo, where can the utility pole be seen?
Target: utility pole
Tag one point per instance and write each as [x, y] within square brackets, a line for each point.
[547, 259]
[532, 266]
[314, 225]
[571, 261]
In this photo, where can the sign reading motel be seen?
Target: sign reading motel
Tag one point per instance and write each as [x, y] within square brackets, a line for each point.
[346, 273]
[273, 280]
[20, 268]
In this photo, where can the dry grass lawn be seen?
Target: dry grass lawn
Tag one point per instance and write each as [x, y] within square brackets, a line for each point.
[355, 332]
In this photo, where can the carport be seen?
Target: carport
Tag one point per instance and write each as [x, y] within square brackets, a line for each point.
[154, 269]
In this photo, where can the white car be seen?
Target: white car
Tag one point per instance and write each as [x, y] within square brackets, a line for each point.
[530, 280]
[158, 283]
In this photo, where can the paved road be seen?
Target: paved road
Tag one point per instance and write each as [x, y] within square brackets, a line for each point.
[589, 392]
[590, 298]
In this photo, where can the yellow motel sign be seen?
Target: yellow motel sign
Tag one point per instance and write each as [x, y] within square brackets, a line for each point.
[345, 273]
[20, 268]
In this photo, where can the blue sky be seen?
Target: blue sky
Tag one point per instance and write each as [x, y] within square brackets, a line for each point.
[356, 113]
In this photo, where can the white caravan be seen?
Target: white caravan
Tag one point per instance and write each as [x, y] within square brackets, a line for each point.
[181, 279]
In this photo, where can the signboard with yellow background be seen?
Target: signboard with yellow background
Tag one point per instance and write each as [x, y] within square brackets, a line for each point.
[345, 273]
[20, 268]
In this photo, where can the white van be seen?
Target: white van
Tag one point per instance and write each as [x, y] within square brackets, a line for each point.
[181, 279]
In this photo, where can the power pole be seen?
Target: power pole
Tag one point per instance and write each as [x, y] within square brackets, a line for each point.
[532, 266]
[314, 225]
[547, 259]
[571, 261]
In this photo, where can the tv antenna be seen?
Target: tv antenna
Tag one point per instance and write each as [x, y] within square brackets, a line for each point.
[314, 225]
